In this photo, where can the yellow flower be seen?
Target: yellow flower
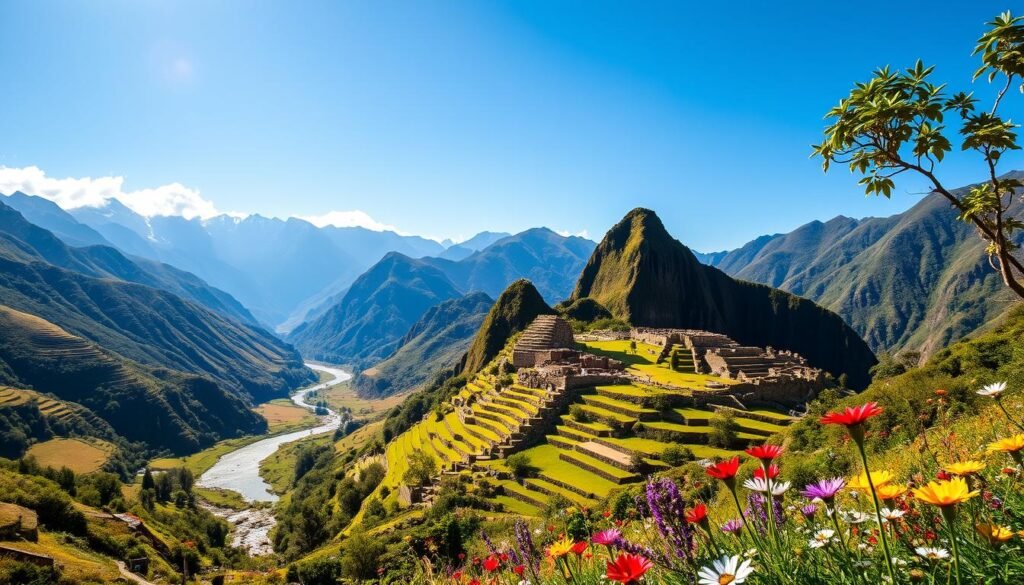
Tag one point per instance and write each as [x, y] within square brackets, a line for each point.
[890, 491]
[879, 478]
[964, 467]
[560, 548]
[995, 535]
[945, 493]
[1008, 445]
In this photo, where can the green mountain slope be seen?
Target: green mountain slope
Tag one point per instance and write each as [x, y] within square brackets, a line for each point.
[104, 261]
[162, 408]
[514, 310]
[647, 278]
[144, 324]
[368, 324]
[917, 280]
[434, 344]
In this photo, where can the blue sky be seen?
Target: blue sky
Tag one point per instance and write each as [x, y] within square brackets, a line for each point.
[447, 118]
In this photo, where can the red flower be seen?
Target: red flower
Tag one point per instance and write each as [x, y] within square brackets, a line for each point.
[503, 557]
[457, 575]
[852, 416]
[943, 476]
[579, 547]
[607, 513]
[628, 568]
[474, 581]
[765, 452]
[698, 514]
[462, 556]
[724, 470]
[518, 570]
[773, 472]
[492, 563]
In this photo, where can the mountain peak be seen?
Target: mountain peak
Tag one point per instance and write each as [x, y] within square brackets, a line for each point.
[514, 310]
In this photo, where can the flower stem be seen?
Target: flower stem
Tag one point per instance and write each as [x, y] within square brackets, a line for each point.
[949, 515]
[1008, 417]
[878, 511]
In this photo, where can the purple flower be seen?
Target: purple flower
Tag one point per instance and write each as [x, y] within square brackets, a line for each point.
[732, 526]
[824, 490]
[669, 513]
[524, 544]
[809, 511]
[487, 541]
[637, 549]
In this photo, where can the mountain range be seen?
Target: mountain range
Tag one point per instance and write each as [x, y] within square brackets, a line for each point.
[369, 321]
[917, 280]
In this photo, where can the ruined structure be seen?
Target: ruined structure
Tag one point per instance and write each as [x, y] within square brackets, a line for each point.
[549, 338]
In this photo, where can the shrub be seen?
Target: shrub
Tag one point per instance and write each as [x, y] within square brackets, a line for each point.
[519, 464]
[724, 430]
[676, 455]
[661, 402]
[361, 557]
[422, 468]
[579, 414]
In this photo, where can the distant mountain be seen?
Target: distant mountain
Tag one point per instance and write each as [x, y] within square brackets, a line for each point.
[81, 292]
[339, 333]
[516, 307]
[548, 260]
[104, 261]
[647, 278]
[277, 268]
[465, 249]
[48, 215]
[169, 410]
[433, 344]
[368, 323]
[918, 280]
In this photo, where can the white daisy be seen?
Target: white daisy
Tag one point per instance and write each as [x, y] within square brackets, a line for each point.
[854, 516]
[891, 515]
[726, 570]
[759, 484]
[993, 390]
[931, 553]
[821, 538]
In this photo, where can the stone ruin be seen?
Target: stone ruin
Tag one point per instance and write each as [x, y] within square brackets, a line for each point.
[546, 357]
[549, 338]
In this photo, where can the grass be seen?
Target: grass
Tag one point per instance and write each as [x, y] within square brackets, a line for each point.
[545, 458]
[642, 363]
[78, 564]
[343, 395]
[516, 507]
[78, 455]
[358, 438]
[278, 470]
[283, 415]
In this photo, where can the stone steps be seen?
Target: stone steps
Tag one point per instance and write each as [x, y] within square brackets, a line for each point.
[604, 453]
[598, 467]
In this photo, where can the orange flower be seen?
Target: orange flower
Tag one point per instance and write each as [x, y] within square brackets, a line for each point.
[945, 493]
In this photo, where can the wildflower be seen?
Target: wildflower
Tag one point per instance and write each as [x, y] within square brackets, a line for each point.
[854, 516]
[697, 515]
[890, 491]
[764, 486]
[579, 547]
[765, 453]
[560, 548]
[519, 569]
[891, 515]
[724, 470]
[474, 581]
[725, 571]
[809, 511]
[773, 472]
[879, 478]
[732, 526]
[457, 575]
[993, 390]
[931, 553]
[994, 534]
[627, 568]
[606, 537]
[491, 563]
[945, 493]
[964, 467]
[853, 419]
[825, 490]
[1010, 445]
[821, 538]
[607, 513]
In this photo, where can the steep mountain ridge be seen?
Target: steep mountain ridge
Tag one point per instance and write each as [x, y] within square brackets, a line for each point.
[647, 278]
[917, 280]
[516, 307]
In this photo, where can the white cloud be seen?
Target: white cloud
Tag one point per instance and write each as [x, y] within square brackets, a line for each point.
[580, 234]
[69, 193]
[354, 218]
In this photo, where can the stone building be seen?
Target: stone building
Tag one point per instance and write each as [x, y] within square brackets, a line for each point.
[548, 339]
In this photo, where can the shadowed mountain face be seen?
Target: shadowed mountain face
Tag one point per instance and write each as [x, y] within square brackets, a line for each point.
[647, 278]
[434, 344]
[918, 280]
[361, 327]
[513, 312]
[87, 293]
[162, 408]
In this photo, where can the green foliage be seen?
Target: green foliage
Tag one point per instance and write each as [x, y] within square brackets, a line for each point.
[519, 464]
[724, 431]
[361, 556]
[422, 468]
[514, 310]
[579, 414]
[676, 455]
[322, 571]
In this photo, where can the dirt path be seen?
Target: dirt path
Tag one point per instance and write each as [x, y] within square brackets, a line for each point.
[131, 576]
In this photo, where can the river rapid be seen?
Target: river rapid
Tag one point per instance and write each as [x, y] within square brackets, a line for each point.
[239, 471]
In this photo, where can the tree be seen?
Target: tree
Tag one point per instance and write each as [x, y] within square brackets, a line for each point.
[147, 480]
[422, 468]
[894, 123]
[362, 555]
[519, 464]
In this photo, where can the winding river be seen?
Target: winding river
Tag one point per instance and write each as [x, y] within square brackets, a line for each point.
[239, 471]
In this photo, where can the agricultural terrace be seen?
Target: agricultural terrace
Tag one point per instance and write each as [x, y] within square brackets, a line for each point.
[78, 455]
[607, 437]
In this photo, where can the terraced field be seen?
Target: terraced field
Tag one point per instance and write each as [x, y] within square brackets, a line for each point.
[614, 436]
[78, 455]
